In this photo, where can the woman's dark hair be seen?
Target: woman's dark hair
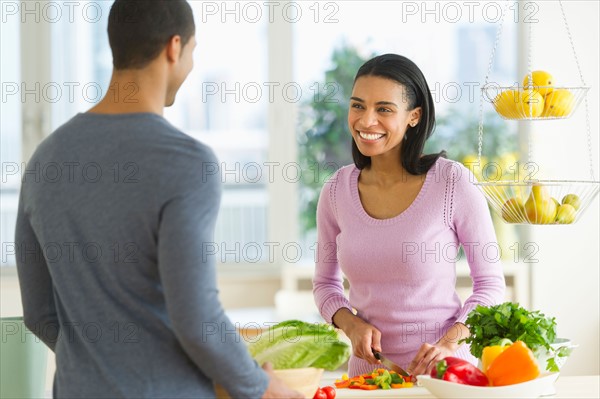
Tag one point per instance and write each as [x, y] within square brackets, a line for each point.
[138, 30]
[405, 72]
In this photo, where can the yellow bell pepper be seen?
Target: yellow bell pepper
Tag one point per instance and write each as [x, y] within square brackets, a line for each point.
[514, 365]
[490, 353]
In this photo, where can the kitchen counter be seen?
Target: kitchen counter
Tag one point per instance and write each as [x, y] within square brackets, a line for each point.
[567, 387]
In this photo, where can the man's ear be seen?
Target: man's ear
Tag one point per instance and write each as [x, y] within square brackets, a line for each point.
[174, 47]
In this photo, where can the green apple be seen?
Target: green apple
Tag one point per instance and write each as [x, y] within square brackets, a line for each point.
[572, 200]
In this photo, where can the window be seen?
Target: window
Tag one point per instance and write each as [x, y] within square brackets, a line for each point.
[10, 139]
[450, 41]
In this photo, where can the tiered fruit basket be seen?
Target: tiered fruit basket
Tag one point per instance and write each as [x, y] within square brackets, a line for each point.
[540, 202]
[535, 103]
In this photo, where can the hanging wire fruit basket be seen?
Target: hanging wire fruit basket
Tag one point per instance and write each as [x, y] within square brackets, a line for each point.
[535, 103]
[539, 202]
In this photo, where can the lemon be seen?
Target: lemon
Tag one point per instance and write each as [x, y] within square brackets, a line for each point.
[531, 104]
[542, 82]
[559, 103]
[506, 103]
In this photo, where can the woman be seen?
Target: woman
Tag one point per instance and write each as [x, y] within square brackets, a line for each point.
[393, 222]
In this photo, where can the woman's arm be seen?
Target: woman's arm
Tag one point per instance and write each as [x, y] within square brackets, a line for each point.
[475, 231]
[328, 288]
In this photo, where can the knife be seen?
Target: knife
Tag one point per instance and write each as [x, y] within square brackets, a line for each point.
[389, 364]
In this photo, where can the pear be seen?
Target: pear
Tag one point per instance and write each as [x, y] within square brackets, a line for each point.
[566, 214]
[540, 207]
[513, 211]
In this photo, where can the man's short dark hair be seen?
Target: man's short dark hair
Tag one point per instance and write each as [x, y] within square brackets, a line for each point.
[138, 30]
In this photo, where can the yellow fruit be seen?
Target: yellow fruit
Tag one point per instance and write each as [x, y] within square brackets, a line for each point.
[531, 104]
[471, 162]
[543, 82]
[513, 211]
[566, 214]
[572, 200]
[540, 207]
[559, 103]
[506, 103]
[508, 163]
[489, 354]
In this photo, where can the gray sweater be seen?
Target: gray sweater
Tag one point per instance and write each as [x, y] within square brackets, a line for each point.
[114, 217]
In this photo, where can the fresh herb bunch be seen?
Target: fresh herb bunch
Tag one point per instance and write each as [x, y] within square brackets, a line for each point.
[490, 325]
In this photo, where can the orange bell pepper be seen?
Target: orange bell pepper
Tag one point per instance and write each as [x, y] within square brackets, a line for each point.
[490, 353]
[342, 383]
[514, 365]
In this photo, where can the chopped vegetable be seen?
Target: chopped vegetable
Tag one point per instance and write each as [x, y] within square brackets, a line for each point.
[295, 344]
[457, 370]
[514, 365]
[490, 325]
[378, 379]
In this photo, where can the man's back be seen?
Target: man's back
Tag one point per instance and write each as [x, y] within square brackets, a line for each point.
[121, 207]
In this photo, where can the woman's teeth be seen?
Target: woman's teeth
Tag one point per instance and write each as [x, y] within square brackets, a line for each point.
[370, 136]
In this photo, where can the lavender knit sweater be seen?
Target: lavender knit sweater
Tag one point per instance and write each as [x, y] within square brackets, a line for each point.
[402, 270]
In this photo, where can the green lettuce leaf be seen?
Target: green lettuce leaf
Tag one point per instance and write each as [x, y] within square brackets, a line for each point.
[296, 344]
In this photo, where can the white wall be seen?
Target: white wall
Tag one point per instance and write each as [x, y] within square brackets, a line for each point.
[565, 282]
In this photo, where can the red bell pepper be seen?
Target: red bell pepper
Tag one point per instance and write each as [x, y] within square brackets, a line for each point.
[457, 370]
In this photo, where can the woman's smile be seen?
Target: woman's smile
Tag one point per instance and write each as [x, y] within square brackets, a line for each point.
[370, 137]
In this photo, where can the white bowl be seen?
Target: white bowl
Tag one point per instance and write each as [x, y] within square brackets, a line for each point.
[525, 390]
[560, 361]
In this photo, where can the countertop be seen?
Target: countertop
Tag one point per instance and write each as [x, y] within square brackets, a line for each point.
[567, 387]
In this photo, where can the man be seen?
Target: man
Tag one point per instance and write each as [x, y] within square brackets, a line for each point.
[113, 275]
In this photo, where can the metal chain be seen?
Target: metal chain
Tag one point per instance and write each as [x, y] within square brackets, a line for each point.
[487, 76]
[589, 140]
[530, 77]
[587, 110]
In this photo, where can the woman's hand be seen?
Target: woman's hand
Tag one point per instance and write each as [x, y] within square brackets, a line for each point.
[427, 357]
[428, 354]
[364, 336]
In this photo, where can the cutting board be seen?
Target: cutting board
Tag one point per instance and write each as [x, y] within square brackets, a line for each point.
[380, 393]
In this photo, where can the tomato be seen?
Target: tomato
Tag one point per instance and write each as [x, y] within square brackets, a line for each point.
[320, 394]
[330, 391]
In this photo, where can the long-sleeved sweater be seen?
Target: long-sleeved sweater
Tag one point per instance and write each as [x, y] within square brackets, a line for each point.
[114, 217]
[402, 270]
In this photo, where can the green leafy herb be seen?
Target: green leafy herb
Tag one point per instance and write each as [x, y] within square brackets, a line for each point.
[490, 325]
[295, 344]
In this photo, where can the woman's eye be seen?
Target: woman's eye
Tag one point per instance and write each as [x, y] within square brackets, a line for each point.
[385, 110]
[356, 105]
